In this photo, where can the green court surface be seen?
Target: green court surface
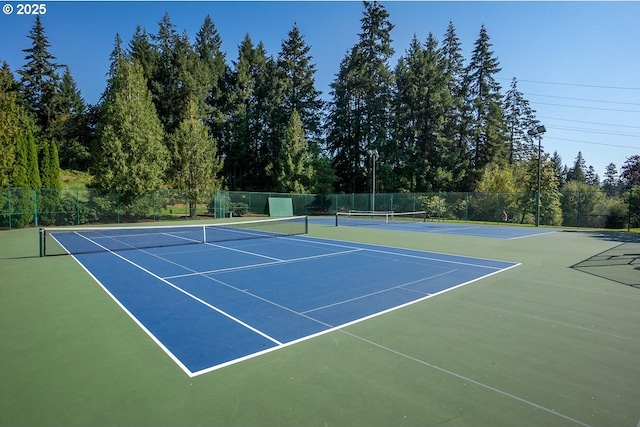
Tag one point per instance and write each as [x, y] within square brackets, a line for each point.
[541, 344]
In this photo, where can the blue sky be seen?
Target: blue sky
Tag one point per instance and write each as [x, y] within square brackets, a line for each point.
[578, 63]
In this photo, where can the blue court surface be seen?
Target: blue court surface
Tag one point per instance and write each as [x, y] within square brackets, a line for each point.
[493, 231]
[209, 305]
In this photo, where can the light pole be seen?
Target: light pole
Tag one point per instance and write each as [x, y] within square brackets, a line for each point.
[374, 155]
[538, 131]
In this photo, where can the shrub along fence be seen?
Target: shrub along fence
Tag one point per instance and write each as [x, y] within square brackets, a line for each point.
[20, 207]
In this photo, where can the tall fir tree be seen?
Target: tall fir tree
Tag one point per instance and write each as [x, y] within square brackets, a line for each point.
[212, 68]
[579, 170]
[591, 177]
[519, 118]
[630, 171]
[253, 99]
[558, 168]
[130, 157]
[164, 82]
[142, 50]
[487, 131]
[611, 183]
[116, 54]
[240, 148]
[456, 126]
[71, 128]
[422, 103]
[39, 78]
[359, 113]
[297, 71]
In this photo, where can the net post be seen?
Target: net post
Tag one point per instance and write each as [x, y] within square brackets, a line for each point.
[306, 224]
[204, 234]
[336, 219]
[41, 242]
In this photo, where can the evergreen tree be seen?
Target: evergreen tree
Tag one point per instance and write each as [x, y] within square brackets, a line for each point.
[20, 168]
[630, 172]
[174, 74]
[487, 132]
[296, 162]
[249, 149]
[11, 114]
[591, 177]
[550, 208]
[195, 157]
[130, 156]
[45, 166]
[269, 116]
[579, 170]
[164, 83]
[359, 114]
[141, 50]
[345, 133]
[116, 54]
[39, 78]
[422, 103]
[611, 183]
[300, 94]
[54, 162]
[455, 132]
[71, 128]
[519, 119]
[558, 168]
[49, 165]
[26, 168]
[210, 72]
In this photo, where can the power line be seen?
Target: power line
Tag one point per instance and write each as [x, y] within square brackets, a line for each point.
[591, 123]
[582, 99]
[596, 131]
[593, 143]
[588, 108]
[573, 84]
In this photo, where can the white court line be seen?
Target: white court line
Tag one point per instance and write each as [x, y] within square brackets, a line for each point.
[242, 252]
[532, 235]
[344, 244]
[470, 380]
[265, 264]
[380, 292]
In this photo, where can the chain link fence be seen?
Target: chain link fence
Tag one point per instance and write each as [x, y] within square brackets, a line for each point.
[20, 207]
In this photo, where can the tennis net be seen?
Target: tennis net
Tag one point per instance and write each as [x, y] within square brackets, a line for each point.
[78, 240]
[364, 218]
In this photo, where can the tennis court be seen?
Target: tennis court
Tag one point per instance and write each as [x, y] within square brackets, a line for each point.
[186, 334]
[215, 295]
[419, 222]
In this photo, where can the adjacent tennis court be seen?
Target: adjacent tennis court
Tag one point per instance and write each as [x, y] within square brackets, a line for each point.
[214, 295]
[419, 222]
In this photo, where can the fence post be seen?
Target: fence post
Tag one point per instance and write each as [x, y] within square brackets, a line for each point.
[78, 206]
[466, 206]
[9, 205]
[578, 213]
[35, 207]
[629, 209]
